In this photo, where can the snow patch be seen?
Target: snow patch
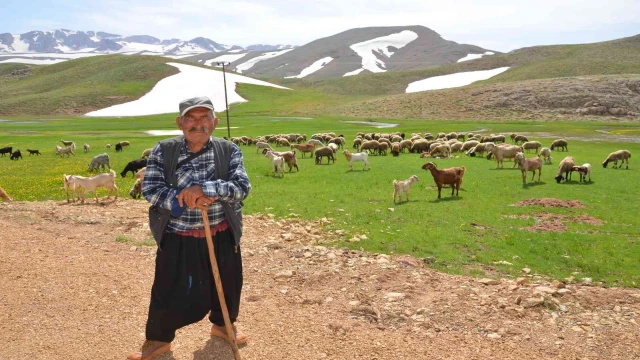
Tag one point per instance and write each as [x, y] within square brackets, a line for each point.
[225, 58]
[190, 82]
[317, 65]
[250, 63]
[367, 49]
[19, 45]
[475, 56]
[354, 72]
[235, 51]
[453, 80]
[33, 61]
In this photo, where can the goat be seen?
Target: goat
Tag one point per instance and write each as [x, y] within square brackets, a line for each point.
[118, 147]
[133, 166]
[451, 176]
[584, 171]
[67, 143]
[262, 145]
[64, 151]
[106, 180]
[277, 162]
[615, 156]
[34, 152]
[403, 187]
[528, 165]
[351, 158]
[136, 190]
[70, 186]
[6, 150]
[108, 146]
[5, 196]
[289, 158]
[140, 173]
[545, 153]
[565, 167]
[503, 151]
[304, 148]
[16, 154]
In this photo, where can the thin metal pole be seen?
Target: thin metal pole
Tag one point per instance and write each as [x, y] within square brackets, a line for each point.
[225, 101]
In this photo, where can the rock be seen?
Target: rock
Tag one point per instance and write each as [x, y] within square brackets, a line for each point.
[394, 296]
[558, 284]
[545, 290]
[284, 275]
[518, 300]
[533, 302]
[489, 281]
[287, 236]
[133, 248]
[502, 262]
[494, 336]
[354, 239]
[363, 237]
[513, 288]
[307, 254]
[421, 311]
[563, 291]
[587, 281]
[354, 303]
[391, 209]
[331, 255]
[522, 281]
[383, 261]
[577, 329]
[617, 308]
[526, 270]
[328, 299]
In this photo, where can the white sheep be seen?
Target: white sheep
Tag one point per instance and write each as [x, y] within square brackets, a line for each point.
[277, 162]
[584, 170]
[403, 187]
[615, 157]
[86, 147]
[545, 153]
[351, 158]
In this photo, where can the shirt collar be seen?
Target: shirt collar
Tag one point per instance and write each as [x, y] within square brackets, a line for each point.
[186, 148]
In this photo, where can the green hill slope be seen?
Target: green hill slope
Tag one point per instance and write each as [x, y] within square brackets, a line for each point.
[78, 86]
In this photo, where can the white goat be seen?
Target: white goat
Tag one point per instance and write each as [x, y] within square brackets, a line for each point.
[66, 150]
[277, 162]
[106, 180]
[351, 158]
[403, 187]
[545, 153]
[262, 145]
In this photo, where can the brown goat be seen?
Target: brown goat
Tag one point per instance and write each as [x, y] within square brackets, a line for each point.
[304, 148]
[5, 196]
[451, 176]
[289, 158]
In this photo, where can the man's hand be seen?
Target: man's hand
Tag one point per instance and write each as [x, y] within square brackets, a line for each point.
[204, 202]
[190, 195]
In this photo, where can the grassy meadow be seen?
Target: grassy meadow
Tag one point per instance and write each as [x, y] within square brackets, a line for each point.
[466, 235]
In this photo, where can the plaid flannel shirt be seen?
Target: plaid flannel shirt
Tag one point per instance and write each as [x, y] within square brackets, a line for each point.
[199, 171]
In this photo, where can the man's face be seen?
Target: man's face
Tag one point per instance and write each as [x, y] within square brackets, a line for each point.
[197, 125]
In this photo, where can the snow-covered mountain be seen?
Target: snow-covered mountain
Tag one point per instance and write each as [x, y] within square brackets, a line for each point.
[63, 41]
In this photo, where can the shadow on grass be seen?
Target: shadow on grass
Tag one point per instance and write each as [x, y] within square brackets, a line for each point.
[444, 199]
[357, 170]
[509, 168]
[532, 184]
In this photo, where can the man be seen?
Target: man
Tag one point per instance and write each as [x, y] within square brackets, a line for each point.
[183, 290]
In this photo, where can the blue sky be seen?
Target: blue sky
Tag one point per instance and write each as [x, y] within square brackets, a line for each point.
[495, 24]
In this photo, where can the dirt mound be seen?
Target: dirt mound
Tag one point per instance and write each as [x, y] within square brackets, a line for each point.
[78, 279]
[548, 222]
[551, 203]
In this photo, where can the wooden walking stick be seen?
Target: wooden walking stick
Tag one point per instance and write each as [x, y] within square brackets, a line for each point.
[216, 277]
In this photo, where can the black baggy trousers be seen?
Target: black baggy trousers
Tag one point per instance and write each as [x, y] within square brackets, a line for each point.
[183, 290]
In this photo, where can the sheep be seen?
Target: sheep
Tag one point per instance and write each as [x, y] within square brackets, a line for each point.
[382, 148]
[106, 180]
[403, 187]
[395, 149]
[333, 147]
[133, 166]
[108, 146]
[289, 158]
[615, 156]
[584, 170]
[498, 138]
[338, 141]
[34, 152]
[100, 161]
[351, 158]
[502, 152]
[86, 147]
[262, 145]
[124, 143]
[456, 147]
[64, 151]
[277, 162]
[420, 146]
[545, 153]
[5, 196]
[283, 142]
[371, 145]
[357, 142]
[396, 138]
[66, 143]
[445, 150]
[479, 149]
[525, 165]
[532, 145]
[521, 139]
[140, 173]
[136, 189]
[451, 176]
[6, 150]
[468, 145]
[118, 147]
[304, 148]
[405, 144]
[146, 153]
[16, 154]
[560, 143]
[316, 142]
[513, 137]
[324, 151]
[565, 167]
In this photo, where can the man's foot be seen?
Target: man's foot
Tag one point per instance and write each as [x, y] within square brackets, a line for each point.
[221, 331]
[149, 350]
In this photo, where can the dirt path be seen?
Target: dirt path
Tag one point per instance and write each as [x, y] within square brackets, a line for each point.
[70, 291]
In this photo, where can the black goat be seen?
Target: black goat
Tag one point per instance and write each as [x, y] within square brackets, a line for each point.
[17, 154]
[118, 147]
[36, 152]
[6, 150]
[134, 166]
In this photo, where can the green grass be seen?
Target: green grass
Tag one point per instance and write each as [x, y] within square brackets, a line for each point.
[466, 235]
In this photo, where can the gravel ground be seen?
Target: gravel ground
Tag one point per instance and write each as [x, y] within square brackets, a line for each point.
[70, 291]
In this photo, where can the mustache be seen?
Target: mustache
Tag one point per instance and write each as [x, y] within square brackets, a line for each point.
[197, 129]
